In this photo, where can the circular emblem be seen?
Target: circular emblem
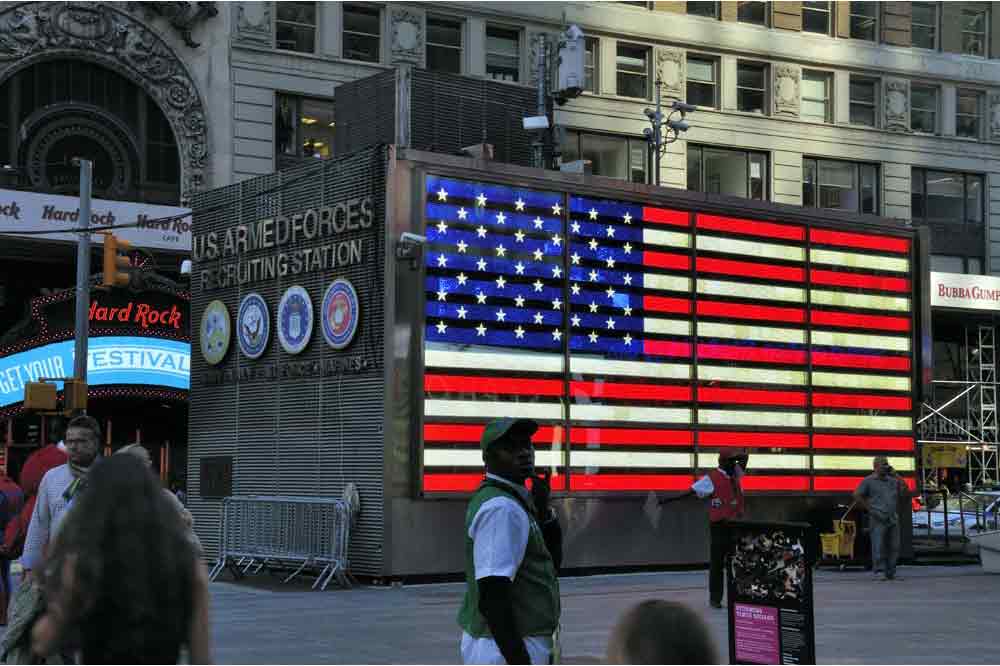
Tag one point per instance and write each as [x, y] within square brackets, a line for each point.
[341, 312]
[215, 332]
[295, 320]
[253, 325]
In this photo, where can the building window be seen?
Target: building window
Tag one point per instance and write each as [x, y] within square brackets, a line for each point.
[702, 81]
[816, 96]
[304, 129]
[737, 173]
[704, 8]
[632, 65]
[974, 22]
[816, 17]
[751, 87]
[864, 21]
[362, 33]
[946, 263]
[968, 114]
[752, 12]
[590, 59]
[295, 27]
[924, 24]
[923, 109]
[444, 45]
[621, 157]
[849, 186]
[503, 53]
[946, 198]
[864, 102]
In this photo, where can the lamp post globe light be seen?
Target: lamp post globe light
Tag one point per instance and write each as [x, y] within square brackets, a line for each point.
[665, 130]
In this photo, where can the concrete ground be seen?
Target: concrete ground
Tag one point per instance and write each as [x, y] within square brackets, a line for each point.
[938, 614]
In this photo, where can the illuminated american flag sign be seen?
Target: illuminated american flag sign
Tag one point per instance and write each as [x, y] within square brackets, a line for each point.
[645, 340]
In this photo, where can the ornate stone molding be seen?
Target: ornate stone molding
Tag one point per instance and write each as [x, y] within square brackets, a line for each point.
[787, 81]
[34, 32]
[995, 117]
[897, 105]
[183, 16]
[670, 70]
[253, 23]
[406, 32]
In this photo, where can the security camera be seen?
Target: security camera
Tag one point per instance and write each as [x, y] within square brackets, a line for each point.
[684, 107]
[186, 267]
[648, 133]
[678, 125]
[650, 113]
[535, 123]
[411, 238]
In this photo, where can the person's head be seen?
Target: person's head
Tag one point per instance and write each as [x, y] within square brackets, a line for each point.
[139, 451]
[83, 440]
[507, 448]
[730, 458]
[661, 632]
[881, 466]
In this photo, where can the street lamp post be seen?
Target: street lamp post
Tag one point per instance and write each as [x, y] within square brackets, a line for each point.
[663, 131]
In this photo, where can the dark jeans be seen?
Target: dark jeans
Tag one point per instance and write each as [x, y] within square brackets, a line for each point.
[717, 564]
[885, 547]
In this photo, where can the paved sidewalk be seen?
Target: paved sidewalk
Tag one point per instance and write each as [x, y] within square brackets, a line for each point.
[936, 615]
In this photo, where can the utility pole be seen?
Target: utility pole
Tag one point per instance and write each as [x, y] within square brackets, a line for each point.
[664, 131]
[541, 72]
[83, 273]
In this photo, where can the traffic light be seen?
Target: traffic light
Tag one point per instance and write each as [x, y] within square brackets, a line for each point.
[114, 261]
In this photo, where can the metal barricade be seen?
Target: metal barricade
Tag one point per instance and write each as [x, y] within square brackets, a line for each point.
[285, 532]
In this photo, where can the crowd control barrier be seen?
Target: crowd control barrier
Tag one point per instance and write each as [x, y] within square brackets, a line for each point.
[301, 534]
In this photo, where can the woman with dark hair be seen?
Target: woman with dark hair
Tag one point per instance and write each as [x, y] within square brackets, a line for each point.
[123, 582]
[661, 632]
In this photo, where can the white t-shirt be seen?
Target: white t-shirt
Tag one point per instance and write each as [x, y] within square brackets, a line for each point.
[499, 533]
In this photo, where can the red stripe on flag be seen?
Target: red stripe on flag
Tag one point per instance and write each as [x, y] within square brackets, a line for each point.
[751, 397]
[744, 311]
[497, 385]
[782, 440]
[862, 241]
[867, 361]
[862, 401]
[854, 320]
[629, 481]
[467, 483]
[750, 227]
[677, 218]
[619, 391]
[678, 262]
[775, 483]
[750, 269]
[846, 483]
[757, 354]
[859, 281]
[666, 348]
[666, 304]
[863, 442]
[464, 433]
[630, 436]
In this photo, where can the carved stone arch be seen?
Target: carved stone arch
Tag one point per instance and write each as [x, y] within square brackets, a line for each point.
[37, 31]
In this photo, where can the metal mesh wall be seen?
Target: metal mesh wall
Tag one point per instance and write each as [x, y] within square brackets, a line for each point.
[290, 435]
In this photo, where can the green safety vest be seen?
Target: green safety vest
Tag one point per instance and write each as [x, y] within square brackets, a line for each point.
[535, 591]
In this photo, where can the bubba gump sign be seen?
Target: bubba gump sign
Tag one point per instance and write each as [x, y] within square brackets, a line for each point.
[965, 292]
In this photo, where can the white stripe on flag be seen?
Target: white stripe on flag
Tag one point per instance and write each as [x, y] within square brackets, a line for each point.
[862, 422]
[629, 414]
[666, 238]
[598, 366]
[626, 459]
[474, 458]
[846, 380]
[756, 291]
[737, 417]
[724, 373]
[860, 341]
[667, 326]
[761, 461]
[825, 462]
[855, 260]
[486, 409]
[526, 361]
[843, 299]
[751, 248]
[750, 332]
[666, 282]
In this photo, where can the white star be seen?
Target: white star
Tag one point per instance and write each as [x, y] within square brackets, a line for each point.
[519, 301]
[627, 247]
[556, 272]
[462, 277]
[593, 244]
[481, 330]
[539, 222]
[627, 310]
[611, 323]
[481, 298]
[481, 264]
[519, 333]
[628, 279]
[575, 289]
[576, 320]
[481, 200]
[442, 295]
[610, 292]
[556, 209]
[538, 284]
[593, 276]
[462, 246]
[519, 268]
[442, 260]
[628, 218]
[610, 231]
[593, 306]
[556, 304]
[481, 231]
[611, 262]
[628, 340]
[557, 240]
[539, 318]
[501, 218]
[519, 204]
[442, 195]
[519, 236]
[501, 282]
[576, 227]
[538, 255]
[501, 251]
[461, 311]
[501, 315]
[556, 334]
[442, 327]
[575, 258]
[462, 213]
[593, 337]
[442, 227]
[593, 213]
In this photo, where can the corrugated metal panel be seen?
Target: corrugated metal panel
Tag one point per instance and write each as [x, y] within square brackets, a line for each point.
[296, 436]
[366, 112]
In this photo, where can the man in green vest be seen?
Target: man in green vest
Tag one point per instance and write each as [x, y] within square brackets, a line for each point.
[513, 549]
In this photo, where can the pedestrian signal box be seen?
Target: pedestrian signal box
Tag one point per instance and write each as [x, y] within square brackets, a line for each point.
[40, 396]
[115, 261]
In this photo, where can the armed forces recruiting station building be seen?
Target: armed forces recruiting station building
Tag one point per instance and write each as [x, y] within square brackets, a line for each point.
[645, 329]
